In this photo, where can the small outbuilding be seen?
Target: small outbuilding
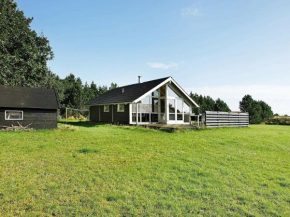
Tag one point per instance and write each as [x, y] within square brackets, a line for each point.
[36, 107]
[157, 101]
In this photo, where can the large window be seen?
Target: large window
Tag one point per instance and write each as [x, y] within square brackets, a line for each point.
[13, 115]
[162, 91]
[179, 109]
[155, 105]
[171, 93]
[106, 108]
[121, 108]
[171, 103]
[186, 110]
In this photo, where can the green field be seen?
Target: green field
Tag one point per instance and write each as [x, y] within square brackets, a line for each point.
[108, 170]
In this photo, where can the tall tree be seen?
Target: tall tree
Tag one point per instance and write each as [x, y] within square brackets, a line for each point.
[23, 53]
[267, 112]
[221, 105]
[255, 113]
[73, 91]
[246, 103]
[259, 111]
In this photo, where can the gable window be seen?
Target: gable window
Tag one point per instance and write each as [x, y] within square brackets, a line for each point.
[171, 93]
[106, 108]
[121, 108]
[13, 115]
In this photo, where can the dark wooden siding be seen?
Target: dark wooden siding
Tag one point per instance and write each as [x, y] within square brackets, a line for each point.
[94, 113]
[121, 117]
[38, 118]
[106, 117]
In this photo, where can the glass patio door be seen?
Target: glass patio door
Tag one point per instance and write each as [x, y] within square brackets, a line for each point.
[175, 110]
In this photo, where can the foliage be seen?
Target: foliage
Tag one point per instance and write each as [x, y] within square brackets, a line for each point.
[266, 110]
[23, 60]
[221, 105]
[207, 103]
[279, 121]
[23, 53]
[104, 170]
[113, 86]
[259, 111]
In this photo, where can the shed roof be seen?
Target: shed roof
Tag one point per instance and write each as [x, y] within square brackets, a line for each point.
[26, 97]
[131, 93]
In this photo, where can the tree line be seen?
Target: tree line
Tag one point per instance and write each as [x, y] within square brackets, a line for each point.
[259, 111]
[207, 103]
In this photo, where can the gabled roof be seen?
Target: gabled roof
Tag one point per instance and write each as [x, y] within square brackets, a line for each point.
[134, 93]
[131, 93]
[26, 97]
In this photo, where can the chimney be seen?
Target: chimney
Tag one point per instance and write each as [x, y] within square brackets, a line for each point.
[139, 79]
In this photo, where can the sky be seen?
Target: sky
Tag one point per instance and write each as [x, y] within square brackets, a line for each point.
[224, 49]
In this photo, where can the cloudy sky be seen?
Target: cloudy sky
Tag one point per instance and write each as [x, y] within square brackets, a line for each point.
[222, 48]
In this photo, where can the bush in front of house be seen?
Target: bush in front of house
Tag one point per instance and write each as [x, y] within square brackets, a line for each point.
[279, 121]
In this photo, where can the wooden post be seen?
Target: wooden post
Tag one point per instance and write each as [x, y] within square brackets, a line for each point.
[198, 117]
[66, 113]
[112, 114]
[137, 114]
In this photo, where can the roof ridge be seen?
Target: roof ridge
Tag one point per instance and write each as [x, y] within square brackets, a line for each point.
[10, 86]
[141, 82]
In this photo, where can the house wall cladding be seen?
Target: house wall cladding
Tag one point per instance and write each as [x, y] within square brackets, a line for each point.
[38, 118]
[226, 119]
[106, 117]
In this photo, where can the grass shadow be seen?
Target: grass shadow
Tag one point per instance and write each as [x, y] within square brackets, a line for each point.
[80, 123]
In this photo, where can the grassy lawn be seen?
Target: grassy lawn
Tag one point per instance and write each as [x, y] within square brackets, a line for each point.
[108, 170]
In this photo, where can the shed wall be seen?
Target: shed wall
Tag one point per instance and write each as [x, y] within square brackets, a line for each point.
[38, 118]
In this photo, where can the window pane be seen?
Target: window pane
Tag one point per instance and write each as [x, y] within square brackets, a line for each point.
[154, 117]
[179, 106]
[134, 107]
[14, 115]
[154, 105]
[133, 117]
[172, 93]
[179, 117]
[186, 118]
[172, 117]
[145, 117]
[121, 107]
[171, 105]
[155, 93]
[146, 100]
[145, 105]
[162, 105]
[162, 91]
[162, 116]
[186, 108]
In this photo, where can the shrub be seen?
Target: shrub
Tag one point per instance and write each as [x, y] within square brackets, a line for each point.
[71, 118]
[279, 121]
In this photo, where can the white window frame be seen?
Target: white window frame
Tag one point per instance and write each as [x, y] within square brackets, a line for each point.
[108, 108]
[13, 119]
[118, 108]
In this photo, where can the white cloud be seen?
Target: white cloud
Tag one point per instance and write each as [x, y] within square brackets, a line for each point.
[163, 65]
[190, 12]
[278, 97]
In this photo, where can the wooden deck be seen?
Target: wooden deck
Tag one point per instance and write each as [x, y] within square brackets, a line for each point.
[168, 127]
